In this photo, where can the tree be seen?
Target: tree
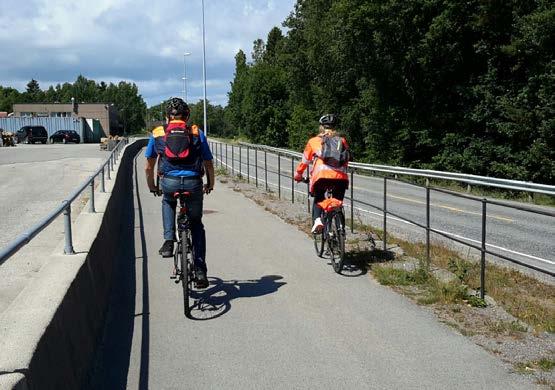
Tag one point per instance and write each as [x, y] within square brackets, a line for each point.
[33, 93]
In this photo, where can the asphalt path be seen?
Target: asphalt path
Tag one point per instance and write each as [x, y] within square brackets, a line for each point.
[34, 179]
[524, 236]
[274, 316]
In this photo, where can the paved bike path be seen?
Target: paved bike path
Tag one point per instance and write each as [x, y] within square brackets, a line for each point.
[281, 317]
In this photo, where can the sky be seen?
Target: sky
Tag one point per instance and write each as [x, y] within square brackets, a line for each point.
[140, 41]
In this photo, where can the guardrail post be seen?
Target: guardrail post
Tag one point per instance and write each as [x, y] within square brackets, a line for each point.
[428, 259]
[232, 161]
[248, 165]
[256, 166]
[240, 150]
[226, 161]
[91, 200]
[352, 201]
[221, 154]
[292, 180]
[308, 190]
[266, 171]
[483, 252]
[68, 248]
[385, 213]
[108, 170]
[279, 175]
[102, 184]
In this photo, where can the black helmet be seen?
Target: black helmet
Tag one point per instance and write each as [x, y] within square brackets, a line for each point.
[177, 107]
[328, 120]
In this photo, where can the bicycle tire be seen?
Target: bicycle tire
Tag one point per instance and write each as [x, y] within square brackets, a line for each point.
[185, 273]
[337, 243]
[319, 243]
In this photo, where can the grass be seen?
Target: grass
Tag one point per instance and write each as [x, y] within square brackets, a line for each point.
[544, 364]
[523, 296]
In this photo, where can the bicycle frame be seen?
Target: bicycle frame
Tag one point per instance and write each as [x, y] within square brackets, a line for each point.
[183, 258]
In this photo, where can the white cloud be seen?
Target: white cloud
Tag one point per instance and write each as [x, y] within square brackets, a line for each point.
[55, 41]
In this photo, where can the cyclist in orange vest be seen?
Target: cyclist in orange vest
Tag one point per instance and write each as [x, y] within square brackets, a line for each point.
[322, 175]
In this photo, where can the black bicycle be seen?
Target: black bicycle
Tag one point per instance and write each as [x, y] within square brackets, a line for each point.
[183, 263]
[332, 236]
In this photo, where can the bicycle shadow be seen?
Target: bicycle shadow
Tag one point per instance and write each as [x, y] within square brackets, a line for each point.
[216, 300]
[358, 262]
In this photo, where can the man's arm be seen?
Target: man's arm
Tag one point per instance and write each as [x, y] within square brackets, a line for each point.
[149, 171]
[209, 169]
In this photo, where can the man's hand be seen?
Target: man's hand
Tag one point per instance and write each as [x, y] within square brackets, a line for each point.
[156, 191]
[298, 177]
[208, 189]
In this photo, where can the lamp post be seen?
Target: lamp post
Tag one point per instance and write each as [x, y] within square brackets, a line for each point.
[184, 78]
[204, 68]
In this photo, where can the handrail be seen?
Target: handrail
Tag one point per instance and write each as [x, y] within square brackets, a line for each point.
[514, 185]
[65, 207]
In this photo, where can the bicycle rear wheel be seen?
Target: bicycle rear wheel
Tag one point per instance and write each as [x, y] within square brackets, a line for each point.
[185, 273]
[337, 243]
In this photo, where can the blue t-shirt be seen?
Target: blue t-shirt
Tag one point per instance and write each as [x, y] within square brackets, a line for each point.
[205, 152]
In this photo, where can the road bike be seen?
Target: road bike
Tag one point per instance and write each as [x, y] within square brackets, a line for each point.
[183, 258]
[332, 236]
[331, 239]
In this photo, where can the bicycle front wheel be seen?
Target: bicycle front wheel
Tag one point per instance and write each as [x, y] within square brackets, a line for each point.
[337, 243]
[319, 243]
[185, 273]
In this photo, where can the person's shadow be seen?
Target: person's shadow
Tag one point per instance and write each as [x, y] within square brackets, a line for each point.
[216, 300]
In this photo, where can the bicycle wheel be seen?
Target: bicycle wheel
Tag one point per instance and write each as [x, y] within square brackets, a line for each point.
[185, 276]
[319, 243]
[337, 243]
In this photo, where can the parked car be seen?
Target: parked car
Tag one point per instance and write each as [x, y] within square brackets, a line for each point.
[32, 134]
[65, 136]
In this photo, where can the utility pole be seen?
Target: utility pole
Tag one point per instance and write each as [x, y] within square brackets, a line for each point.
[204, 69]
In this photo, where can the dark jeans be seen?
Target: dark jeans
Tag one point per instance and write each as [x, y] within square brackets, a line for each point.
[169, 185]
[319, 191]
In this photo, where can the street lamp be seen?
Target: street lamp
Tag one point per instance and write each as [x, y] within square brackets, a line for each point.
[204, 68]
[184, 78]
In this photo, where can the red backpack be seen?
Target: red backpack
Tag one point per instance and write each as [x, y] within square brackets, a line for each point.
[179, 142]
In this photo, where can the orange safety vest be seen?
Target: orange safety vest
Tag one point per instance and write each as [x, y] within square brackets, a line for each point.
[312, 151]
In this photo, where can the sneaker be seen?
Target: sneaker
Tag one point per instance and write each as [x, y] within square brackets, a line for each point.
[202, 280]
[317, 227]
[167, 249]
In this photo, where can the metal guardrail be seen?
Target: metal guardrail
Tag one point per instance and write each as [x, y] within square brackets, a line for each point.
[65, 207]
[228, 159]
[430, 174]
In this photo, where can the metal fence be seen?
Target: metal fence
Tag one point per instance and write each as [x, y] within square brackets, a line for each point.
[236, 159]
[65, 208]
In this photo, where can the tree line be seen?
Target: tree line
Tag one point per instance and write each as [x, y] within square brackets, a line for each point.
[125, 96]
[465, 86]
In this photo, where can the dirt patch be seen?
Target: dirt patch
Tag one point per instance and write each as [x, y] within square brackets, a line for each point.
[515, 342]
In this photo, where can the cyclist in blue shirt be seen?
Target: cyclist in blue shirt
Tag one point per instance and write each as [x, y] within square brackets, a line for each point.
[183, 157]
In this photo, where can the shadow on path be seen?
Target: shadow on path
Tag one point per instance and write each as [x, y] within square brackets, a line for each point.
[216, 300]
[111, 364]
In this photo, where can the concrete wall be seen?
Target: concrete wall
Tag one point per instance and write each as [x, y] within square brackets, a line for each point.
[49, 334]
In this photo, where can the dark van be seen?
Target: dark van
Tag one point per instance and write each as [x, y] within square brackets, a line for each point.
[32, 134]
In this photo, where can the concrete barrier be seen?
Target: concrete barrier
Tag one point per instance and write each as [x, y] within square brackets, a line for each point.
[50, 333]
